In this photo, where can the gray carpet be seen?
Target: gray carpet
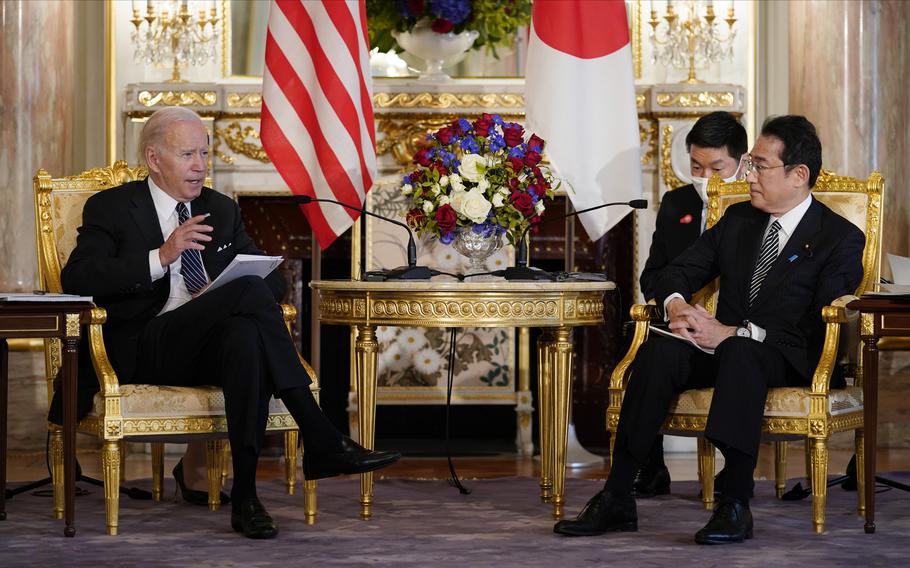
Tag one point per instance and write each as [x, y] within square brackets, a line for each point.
[427, 523]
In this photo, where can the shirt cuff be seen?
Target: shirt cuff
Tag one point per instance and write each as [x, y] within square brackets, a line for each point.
[758, 333]
[672, 296]
[155, 269]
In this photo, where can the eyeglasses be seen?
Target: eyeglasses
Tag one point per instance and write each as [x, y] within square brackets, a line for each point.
[747, 166]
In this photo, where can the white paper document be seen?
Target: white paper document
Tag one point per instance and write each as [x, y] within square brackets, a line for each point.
[246, 265]
[667, 333]
[41, 297]
[900, 269]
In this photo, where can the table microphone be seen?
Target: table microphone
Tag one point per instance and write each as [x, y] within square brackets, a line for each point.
[409, 272]
[521, 270]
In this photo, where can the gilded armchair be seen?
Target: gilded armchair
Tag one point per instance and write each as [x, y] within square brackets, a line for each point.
[136, 412]
[812, 413]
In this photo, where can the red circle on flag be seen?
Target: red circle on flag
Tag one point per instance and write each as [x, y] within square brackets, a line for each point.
[586, 29]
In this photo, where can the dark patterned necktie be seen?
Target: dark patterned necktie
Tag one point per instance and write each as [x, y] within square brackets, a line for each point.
[190, 260]
[769, 251]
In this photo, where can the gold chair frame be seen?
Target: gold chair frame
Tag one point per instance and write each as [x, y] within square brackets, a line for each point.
[55, 241]
[812, 413]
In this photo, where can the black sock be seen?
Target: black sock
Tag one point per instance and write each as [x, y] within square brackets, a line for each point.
[319, 435]
[622, 473]
[740, 467]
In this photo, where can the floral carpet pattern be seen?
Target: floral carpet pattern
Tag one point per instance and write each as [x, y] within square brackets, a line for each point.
[428, 523]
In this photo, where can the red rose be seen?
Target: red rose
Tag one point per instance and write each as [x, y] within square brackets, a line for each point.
[532, 158]
[516, 163]
[422, 157]
[416, 176]
[442, 26]
[414, 217]
[522, 202]
[513, 183]
[445, 218]
[456, 127]
[483, 124]
[536, 143]
[513, 135]
[444, 135]
[439, 167]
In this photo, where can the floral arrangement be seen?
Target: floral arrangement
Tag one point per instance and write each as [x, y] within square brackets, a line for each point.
[495, 20]
[483, 175]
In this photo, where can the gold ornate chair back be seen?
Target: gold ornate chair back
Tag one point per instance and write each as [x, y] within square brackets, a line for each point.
[811, 413]
[135, 412]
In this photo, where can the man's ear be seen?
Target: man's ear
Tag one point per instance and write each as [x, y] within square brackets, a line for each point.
[151, 159]
[802, 174]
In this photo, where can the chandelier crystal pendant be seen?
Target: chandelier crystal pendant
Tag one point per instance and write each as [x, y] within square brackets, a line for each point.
[179, 32]
[693, 41]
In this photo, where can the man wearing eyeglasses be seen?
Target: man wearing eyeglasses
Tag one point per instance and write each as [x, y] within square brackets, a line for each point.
[780, 258]
[715, 145]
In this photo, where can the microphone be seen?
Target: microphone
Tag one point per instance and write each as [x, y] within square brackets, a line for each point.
[409, 272]
[521, 270]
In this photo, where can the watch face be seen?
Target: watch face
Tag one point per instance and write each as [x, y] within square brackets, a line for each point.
[743, 332]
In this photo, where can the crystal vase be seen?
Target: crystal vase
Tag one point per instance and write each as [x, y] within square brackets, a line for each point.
[477, 247]
[434, 48]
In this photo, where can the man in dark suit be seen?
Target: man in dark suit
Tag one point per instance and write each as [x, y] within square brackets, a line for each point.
[780, 259]
[715, 144]
[147, 251]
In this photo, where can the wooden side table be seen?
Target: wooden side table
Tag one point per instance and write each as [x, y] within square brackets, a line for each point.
[45, 319]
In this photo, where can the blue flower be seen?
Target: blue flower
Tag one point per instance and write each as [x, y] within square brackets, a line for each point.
[447, 238]
[465, 124]
[516, 152]
[406, 179]
[497, 120]
[469, 144]
[456, 11]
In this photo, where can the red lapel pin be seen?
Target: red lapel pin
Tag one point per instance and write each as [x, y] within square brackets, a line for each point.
[685, 219]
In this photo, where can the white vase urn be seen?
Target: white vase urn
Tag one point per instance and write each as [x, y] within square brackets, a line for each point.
[434, 48]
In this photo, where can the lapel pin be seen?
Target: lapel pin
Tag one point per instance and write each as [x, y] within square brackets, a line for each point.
[686, 219]
[792, 258]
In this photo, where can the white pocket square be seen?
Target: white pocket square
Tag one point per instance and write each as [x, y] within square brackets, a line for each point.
[223, 247]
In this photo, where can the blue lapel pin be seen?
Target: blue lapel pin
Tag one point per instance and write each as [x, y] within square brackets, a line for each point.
[793, 258]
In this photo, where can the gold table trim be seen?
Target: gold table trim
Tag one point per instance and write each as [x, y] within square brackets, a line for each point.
[555, 306]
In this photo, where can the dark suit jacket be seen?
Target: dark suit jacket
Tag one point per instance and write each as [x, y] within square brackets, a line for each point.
[110, 263]
[678, 226]
[821, 262]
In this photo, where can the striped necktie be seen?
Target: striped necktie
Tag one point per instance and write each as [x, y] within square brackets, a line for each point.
[766, 258]
[190, 260]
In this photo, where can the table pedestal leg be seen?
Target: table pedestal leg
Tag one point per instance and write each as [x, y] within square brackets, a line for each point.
[870, 421]
[70, 365]
[545, 397]
[562, 396]
[4, 350]
[366, 350]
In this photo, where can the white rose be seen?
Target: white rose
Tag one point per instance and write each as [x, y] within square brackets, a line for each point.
[443, 200]
[456, 198]
[483, 185]
[498, 200]
[539, 207]
[427, 206]
[434, 189]
[456, 184]
[472, 167]
[455, 178]
[444, 181]
[475, 206]
[406, 189]
[504, 191]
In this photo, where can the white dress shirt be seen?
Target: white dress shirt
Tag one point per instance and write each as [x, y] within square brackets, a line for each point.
[166, 209]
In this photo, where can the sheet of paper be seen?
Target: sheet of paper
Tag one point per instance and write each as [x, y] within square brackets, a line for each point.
[900, 268]
[667, 333]
[42, 297]
[246, 265]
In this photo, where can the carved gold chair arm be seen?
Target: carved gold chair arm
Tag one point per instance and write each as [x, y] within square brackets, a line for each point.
[642, 315]
[834, 316]
[107, 377]
[289, 313]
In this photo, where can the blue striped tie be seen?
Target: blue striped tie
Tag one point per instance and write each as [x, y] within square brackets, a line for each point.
[190, 260]
[766, 259]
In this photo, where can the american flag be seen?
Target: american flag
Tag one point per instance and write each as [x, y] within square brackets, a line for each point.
[317, 109]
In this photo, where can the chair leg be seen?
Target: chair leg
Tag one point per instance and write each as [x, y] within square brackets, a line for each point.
[309, 496]
[110, 463]
[780, 468]
[819, 482]
[57, 471]
[157, 470]
[706, 471]
[213, 460]
[860, 446]
[290, 460]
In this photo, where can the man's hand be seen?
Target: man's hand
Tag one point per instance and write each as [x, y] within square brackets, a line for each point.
[697, 324]
[189, 235]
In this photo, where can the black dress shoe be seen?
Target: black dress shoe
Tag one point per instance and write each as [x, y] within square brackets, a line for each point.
[603, 513]
[353, 458]
[253, 520]
[731, 522]
[192, 495]
[651, 481]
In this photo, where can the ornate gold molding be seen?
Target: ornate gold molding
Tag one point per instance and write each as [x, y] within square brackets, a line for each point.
[72, 325]
[447, 100]
[177, 98]
[110, 176]
[640, 100]
[235, 135]
[666, 159]
[696, 99]
[648, 134]
[244, 100]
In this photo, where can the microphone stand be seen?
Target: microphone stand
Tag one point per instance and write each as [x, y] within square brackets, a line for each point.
[409, 272]
[521, 270]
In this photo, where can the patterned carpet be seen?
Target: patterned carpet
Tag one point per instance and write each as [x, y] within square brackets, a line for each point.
[427, 523]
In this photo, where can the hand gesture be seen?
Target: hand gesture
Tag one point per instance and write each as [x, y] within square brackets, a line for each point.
[189, 235]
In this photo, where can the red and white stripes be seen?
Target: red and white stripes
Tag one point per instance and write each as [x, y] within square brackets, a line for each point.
[317, 113]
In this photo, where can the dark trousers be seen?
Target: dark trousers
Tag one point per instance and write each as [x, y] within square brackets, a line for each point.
[741, 372]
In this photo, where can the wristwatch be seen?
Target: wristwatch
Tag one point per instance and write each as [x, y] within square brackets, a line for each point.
[744, 330]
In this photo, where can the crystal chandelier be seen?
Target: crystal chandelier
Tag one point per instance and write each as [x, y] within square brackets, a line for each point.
[175, 31]
[694, 41]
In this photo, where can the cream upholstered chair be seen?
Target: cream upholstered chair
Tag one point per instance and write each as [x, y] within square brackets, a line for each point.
[136, 412]
[812, 413]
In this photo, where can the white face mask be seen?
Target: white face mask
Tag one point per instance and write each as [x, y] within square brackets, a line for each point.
[701, 185]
